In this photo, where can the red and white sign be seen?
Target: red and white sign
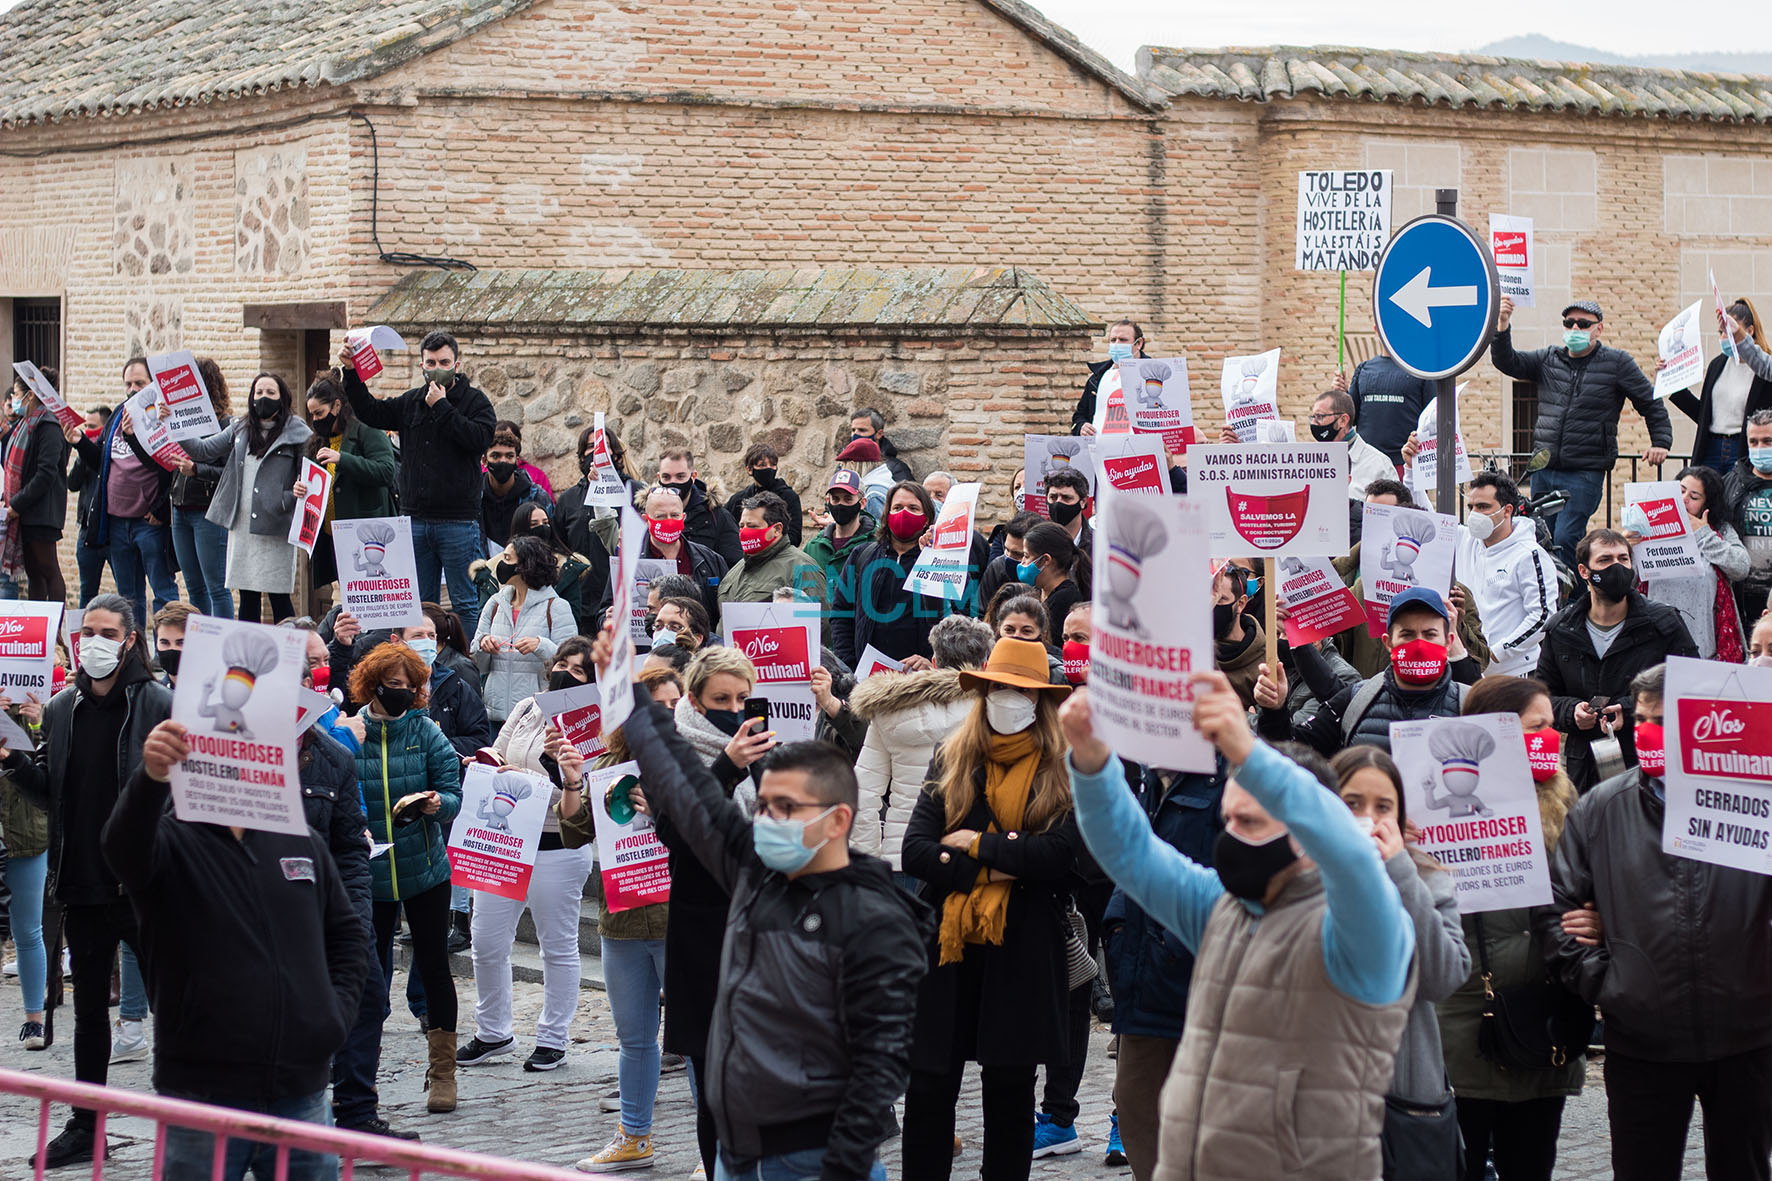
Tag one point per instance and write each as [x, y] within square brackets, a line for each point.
[781, 642]
[1655, 512]
[190, 416]
[151, 429]
[1160, 403]
[634, 863]
[1401, 549]
[71, 620]
[1110, 405]
[1264, 500]
[310, 511]
[1510, 241]
[365, 341]
[617, 683]
[1719, 763]
[1318, 603]
[46, 393]
[945, 565]
[1250, 387]
[578, 712]
[872, 661]
[604, 485]
[1132, 463]
[497, 833]
[27, 647]
[1041, 455]
[377, 572]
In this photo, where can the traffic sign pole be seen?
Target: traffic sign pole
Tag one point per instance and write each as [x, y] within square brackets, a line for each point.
[1446, 402]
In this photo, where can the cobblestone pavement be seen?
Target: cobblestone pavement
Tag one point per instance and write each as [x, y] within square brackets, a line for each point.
[554, 1118]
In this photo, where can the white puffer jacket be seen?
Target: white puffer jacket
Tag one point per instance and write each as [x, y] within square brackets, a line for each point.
[908, 716]
[509, 676]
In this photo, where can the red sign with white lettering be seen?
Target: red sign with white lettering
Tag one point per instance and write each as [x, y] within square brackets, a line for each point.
[1727, 739]
[778, 653]
[1133, 473]
[25, 637]
[1510, 249]
[1268, 522]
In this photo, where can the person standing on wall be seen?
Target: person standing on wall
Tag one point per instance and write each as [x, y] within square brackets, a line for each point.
[1737, 385]
[360, 461]
[1125, 341]
[36, 495]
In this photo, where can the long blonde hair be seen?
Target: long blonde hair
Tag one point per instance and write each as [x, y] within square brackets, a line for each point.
[965, 752]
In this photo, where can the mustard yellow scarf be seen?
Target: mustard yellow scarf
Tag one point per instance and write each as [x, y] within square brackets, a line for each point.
[980, 915]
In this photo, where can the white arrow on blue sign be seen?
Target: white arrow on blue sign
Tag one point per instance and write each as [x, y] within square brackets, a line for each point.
[1435, 297]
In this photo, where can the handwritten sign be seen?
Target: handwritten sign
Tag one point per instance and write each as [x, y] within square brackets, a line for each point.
[1344, 220]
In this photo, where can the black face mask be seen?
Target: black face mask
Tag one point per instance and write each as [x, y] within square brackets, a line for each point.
[651, 622]
[764, 476]
[543, 531]
[1324, 433]
[1224, 615]
[1246, 869]
[1062, 512]
[564, 678]
[687, 490]
[326, 427]
[504, 571]
[843, 514]
[501, 471]
[394, 702]
[726, 721]
[169, 658]
[584, 463]
[265, 409]
[1614, 582]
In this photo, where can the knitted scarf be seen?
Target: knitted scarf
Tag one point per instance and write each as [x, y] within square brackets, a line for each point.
[980, 915]
[12, 554]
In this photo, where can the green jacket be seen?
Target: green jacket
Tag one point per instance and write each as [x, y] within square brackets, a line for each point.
[570, 586]
[364, 475]
[831, 555]
[23, 824]
[755, 579]
[1516, 959]
[407, 755]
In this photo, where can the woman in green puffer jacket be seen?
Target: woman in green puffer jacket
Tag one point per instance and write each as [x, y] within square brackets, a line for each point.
[404, 756]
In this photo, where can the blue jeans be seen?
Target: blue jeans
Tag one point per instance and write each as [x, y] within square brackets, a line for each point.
[633, 973]
[137, 549]
[202, 549]
[1570, 524]
[8, 586]
[804, 1165]
[448, 548]
[91, 561]
[132, 992]
[24, 877]
[190, 1153]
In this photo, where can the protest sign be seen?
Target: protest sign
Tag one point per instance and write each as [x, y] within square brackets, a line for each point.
[47, 394]
[945, 565]
[1131, 463]
[27, 647]
[1656, 513]
[1681, 348]
[14, 736]
[606, 486]
[1250, 387]
[617, 682]
[1472, 799]
[1510, 243]
[1262, 501]
[578, 712]
[151, 431]
[781, 642]
[189, 414]
[635, 865]
[1110, 405]
[1318, 603]
[1723, 326]
[495, 837]
[1401, 549]
[71, 620]
[872, 661]
[1424, 469]
[377, 574]
[1160, 403]
[1041, 455]
[364, 343]
[304, 526]
[1276, 430]
[310, 706]
[1152, 627]
[1344, 220]
[238, 696]
[1718, 720]
[645, 570]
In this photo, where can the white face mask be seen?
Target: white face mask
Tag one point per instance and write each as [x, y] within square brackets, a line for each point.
[1009, 711]
[99, 656]
[1481, 525]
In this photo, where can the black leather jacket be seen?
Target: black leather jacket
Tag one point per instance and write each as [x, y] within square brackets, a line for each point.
[1580, 399]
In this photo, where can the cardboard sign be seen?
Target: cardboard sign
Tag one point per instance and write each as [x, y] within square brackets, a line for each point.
[1250, 387]
[1160, 402]
[634, 863]
[238, 695]
[495, 837]
[365, 341]
[377, 574]
[1318, 603]
[38, 384]
[945, 565]
[310, 512]
[1344, 220]
[645, 570]
[1719, 763]
[1657, 511]
[1262, 501]
[1132, 463]
[1681, 348]
[1110, 405]
[1424, 470]
[781, 642]
[27, 647]
[1471, 796]
[578, 712]
[872, 661]
[189, 414]
[1401, 549]
[617, 682]
[1041, 455]
[1152, 628]
[1510, 242]
[604, 484]
[151, 430]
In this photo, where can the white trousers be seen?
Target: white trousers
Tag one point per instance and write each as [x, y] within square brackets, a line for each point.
[556, 887]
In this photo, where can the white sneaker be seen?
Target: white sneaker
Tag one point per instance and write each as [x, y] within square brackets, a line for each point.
[11, 968]
[610, 1102]
[128, 1042]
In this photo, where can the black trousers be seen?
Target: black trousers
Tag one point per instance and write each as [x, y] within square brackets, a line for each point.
[93, 934]
[705, 1137]
[1650, 1108]
[1059, 1100]
[1522, 1135]
[427, 914]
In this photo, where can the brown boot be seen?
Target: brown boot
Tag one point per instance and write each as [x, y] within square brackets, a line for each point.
[440, 1075]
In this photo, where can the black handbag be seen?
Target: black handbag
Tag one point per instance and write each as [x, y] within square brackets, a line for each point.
[1541, 1026]
[1421, 1141]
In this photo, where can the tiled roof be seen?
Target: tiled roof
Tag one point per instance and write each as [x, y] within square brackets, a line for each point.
[807, 298]
[99, 57]
[1260, 75]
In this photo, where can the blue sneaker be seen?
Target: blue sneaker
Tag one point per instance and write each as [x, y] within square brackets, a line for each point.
[1052, 1138]
[1116, 1153]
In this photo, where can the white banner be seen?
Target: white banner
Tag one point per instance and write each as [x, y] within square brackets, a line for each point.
[495, 837]
[1718, 720]
[1250, 387]
[190, 416]
[945, 565]
[1656, 512]
[377, 573]
[617, 684]
[1510, 242]
[1424, 470]
[1401, 549]
[1681, 348]
[605, 487]
[781, 642]
[1263, 501]
[1344, 220]
[1158, 400]
[27, 648]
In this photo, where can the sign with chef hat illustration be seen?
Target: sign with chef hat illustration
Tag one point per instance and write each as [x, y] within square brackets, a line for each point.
[634, 863]
[1400, 549]
[1469, 790]
[377, 574]
[1151, 634]
[1041, 455]
[1250, 387]
[495, 837]
[1158, 400]
[1264, 500]
[238, 697]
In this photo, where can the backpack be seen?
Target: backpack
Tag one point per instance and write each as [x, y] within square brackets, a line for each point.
[1368, 692]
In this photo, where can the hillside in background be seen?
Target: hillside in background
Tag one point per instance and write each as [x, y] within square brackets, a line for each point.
[1536, 46]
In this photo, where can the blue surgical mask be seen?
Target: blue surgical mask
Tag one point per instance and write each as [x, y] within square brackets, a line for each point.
[781, 844]
[1728, 346]
[426, 650]
[18, 406]
[1028, 571]
[1575, 340]
[1761, 458]
[1119, 350]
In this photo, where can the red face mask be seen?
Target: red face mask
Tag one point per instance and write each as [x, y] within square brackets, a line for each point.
[1651, 750]
[1542, 748]
[754, 541]
[1419, 662]
[1076, 662]
[907, 524]
[321, 675]
[666, 532]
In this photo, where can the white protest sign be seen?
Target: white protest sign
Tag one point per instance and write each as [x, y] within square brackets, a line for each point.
[578, 712]
[47, 394]
[1718, 720]
[872, 661]
[1265, 500]
[151, 431]
[1318, 603]
[1656, 512]
[1250, 387]
[645, 571]
[781, 642]
[377, 574]
[495, 837]
[604, 484]
[310, 707]
[13, 736]
[190, 416]
[1401, 549]
[304, 526]
[1424, 469]
[71, 621]
[1110, 405]
[634, 863]
[1153, 628]
[1041, 455]
[617, 683]
[1131, 463]
[1276, 430]
[1723, 327]
[1510, 243]
[27, 648]
[1472, 798]
[1681, 348]
[365, 341]
[238, 697]
[1344, 220]
[1159, 402]
[945, 565]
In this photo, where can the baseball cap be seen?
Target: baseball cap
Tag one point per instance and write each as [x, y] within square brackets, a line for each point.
[1418, 596]
[865, 450]
[846, 480]
[1585, 305]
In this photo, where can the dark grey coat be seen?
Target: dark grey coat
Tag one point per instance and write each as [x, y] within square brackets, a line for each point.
[273, 493]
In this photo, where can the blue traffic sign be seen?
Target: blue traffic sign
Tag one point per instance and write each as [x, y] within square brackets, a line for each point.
[1435, 296]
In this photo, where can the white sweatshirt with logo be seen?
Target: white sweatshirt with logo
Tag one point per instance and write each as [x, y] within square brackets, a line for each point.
[1515, 584]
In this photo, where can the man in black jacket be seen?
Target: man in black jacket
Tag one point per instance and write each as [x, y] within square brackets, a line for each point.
[1595, 645]
[1388, 401]
[91, 743]
[867, 423]
[1679, 961]
[709, 524]
[445, 426]
[761, 461]
[1582, 387]
[240, 1019]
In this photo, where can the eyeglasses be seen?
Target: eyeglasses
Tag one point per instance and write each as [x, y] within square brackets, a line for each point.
[1323, 419]
[1582, 324]
[780, 809]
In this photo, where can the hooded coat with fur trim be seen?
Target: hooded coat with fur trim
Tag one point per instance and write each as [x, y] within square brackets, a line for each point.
[908, 715]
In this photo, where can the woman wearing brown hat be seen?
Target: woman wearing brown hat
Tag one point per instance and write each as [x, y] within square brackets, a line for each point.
[994, 842]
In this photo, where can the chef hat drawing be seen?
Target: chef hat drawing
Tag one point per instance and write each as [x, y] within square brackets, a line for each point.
[1291, 566]
[376, 534]
[1155, 371]
[249, 654]
[1137, 533]
[1254, 367]
[1462, 743]
[1414, 529]
[510, 786]
[1066, 449]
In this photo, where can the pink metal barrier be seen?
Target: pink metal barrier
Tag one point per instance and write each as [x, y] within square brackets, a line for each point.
[352, 1148]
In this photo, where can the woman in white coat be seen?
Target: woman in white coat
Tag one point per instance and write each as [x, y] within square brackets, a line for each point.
[908, 715]
[521, 627]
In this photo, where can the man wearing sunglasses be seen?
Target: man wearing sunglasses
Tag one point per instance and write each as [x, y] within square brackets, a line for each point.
[1582, 387]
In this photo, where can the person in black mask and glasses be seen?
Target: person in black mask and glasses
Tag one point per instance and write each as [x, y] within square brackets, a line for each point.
[1067, 495]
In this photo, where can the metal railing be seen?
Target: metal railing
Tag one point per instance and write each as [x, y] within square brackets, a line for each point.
[224, 1123]
[1515, 462]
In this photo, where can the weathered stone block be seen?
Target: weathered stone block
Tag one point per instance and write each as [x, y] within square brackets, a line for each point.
[643, 378]
[900, 381]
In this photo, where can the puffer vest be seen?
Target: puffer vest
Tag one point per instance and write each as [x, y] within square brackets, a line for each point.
[1397, 704]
